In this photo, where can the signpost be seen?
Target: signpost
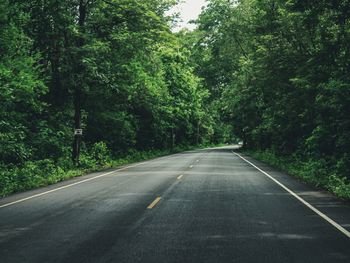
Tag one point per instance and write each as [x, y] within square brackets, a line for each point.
[78, 132]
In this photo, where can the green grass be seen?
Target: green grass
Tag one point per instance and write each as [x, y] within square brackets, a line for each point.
[319, 173]
[34, 174]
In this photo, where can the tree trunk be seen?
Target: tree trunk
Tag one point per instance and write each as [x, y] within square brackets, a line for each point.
[78, 94]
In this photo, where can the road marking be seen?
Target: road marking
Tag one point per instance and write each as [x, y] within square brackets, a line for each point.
[197, 161]
[180, 177]
[154, 203]
[314, 209]
[69, 185]
[191, 166]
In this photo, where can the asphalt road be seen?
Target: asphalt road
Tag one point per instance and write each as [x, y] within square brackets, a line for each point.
[201, 206]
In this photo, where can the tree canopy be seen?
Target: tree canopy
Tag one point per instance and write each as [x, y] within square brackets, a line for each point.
[281, 72]
[111, 68]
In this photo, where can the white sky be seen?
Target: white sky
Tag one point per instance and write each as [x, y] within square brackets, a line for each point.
[189, 10]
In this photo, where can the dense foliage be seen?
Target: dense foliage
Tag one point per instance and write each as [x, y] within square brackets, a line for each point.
[112, 68]
[281, 69]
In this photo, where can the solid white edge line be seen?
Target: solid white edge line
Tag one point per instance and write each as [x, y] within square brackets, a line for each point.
[69, 185]
[314, 209]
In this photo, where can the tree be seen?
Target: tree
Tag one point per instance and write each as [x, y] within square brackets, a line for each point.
[21, 88]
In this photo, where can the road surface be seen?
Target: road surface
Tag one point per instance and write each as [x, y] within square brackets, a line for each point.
[201, 206]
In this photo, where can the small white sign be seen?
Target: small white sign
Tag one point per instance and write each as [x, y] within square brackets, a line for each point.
[78, 132]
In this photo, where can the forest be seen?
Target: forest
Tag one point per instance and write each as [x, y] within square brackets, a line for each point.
[273, 74]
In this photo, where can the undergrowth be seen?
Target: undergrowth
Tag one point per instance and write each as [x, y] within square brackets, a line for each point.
[319, 173]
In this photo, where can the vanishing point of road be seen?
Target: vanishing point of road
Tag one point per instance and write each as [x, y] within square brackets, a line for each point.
[211, 205]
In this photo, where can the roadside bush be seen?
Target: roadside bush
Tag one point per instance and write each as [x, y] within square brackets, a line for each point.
[33, 174]
[339, 186]
[100, 153]
[319, 173]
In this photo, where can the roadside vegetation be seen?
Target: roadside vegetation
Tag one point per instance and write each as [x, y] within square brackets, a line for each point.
[110, 70]
[318, 173]
[280, 73]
